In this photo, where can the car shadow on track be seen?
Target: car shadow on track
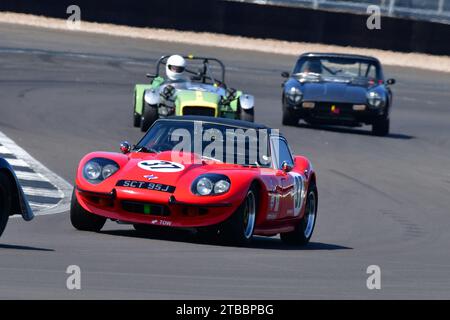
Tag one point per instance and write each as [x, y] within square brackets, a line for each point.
[362, 132]
[277, 244]
[190, 237]
[17, 247]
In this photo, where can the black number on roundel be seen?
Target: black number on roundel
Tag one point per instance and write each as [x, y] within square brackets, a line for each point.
[298, 191]
[161, 165]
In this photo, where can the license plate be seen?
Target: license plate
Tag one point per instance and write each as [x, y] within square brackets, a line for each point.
[335, 110]
[145, 185]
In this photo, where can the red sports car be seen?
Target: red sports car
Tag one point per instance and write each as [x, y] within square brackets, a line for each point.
[228, 178]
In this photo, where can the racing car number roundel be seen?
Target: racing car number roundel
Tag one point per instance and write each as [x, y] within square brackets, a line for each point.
[160, 166]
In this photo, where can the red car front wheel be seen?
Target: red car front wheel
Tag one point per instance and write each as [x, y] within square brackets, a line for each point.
[82, 219]
[238, 230]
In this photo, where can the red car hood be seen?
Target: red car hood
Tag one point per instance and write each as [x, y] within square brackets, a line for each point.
[138, 166]
[166, 168]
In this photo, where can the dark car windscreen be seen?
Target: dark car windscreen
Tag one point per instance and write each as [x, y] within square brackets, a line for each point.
[338, 67]
[210, 140]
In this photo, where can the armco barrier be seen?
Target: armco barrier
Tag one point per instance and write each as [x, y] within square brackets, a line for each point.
[252, 20]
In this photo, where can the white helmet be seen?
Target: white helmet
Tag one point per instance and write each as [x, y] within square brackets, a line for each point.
[175, 67]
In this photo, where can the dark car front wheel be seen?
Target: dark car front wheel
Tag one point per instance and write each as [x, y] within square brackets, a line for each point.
[289, 119]
[5, 200]
[380, 127]
[304, 230]
[82, 219]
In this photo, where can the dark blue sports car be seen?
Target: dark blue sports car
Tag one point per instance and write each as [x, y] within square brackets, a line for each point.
[338, 89]
[12, 198]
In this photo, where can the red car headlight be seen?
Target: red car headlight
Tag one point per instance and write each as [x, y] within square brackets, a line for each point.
[210, 184]
[98, 169]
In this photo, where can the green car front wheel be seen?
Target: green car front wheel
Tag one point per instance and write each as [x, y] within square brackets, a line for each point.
[149, 116]
[136, 120]
[248, 115]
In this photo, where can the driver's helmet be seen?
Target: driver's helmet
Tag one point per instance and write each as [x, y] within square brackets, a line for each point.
[175, 67]
[313, 66]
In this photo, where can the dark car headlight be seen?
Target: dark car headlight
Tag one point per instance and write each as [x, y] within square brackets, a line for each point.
[294, 95]
[210, 184]
[98, 169]
[375, 99]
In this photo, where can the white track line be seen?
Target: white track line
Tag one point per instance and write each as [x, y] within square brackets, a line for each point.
[36, 207]
[42, 173]
[17, 162]
[31, 191]
[30, 176]
[4, 150]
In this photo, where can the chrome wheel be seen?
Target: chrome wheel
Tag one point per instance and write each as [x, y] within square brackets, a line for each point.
[239, 228]
[310, 214]
[249, 214]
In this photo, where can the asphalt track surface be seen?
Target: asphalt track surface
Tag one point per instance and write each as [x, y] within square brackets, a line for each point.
[383, 201]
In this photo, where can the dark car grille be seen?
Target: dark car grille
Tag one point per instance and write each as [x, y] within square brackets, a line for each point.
[199, 111]
[145, 208]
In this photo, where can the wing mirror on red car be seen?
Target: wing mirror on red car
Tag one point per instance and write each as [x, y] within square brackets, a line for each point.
[125, 147]
[286, 167]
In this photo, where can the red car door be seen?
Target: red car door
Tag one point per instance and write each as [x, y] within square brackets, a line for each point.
[287, 182]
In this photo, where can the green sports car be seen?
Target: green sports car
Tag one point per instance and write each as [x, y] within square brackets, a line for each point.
[201, 93]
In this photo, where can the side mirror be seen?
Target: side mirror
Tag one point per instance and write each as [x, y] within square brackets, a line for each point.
[390, 81]
[285, 74]
[151, 75]
[286, 167]
[125, 147]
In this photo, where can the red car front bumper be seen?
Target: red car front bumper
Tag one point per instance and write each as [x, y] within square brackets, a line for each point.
[161, 209]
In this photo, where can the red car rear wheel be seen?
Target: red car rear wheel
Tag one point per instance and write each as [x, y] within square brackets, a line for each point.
[304, 230]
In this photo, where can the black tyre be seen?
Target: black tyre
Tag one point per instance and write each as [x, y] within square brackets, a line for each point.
[380, 127]
[304, 230]
[5, 200]
[136, 116]
[248, 115]
[238, 229]
[149, 115]
[288, 118]
[82, 219]
[136, 120]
